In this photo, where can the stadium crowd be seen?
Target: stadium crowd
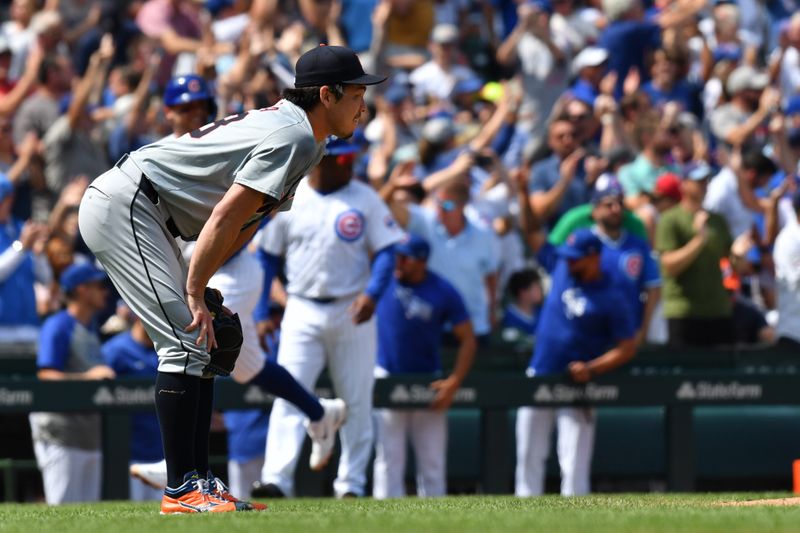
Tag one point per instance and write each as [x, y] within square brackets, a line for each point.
[670, 128]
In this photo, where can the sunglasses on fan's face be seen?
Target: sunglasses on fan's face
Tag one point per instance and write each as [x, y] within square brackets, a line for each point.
[447, 206]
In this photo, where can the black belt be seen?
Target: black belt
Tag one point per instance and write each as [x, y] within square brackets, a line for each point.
[327, 300]
[151, 194]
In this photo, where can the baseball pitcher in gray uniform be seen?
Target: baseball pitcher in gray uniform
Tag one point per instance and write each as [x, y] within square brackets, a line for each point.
[212, 185]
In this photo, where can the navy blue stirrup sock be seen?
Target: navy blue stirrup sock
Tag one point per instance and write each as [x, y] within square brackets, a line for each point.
[276, 380]
[205, 403]
[176, 406]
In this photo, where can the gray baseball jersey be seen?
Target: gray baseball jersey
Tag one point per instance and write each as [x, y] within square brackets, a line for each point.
[268, 150]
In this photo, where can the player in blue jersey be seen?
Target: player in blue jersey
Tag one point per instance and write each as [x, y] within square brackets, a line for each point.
[67, 445]
[131, 354]
[626, 258]
[412, 314]
[586, 329]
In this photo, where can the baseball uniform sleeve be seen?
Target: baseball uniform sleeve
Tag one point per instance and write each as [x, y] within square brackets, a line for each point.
[54, 342]
[455, 310]
[273, 236]
[382, 229]
[277, 162]
[621, 320]
[651, 273]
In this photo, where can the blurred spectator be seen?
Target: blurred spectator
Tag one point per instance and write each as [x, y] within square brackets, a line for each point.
[630, 37]
[39, 111]
[67, 446]
[667, 83]
[789, 59]
[656, 140]
[562, 181]
[542, 57]
[587, 329]
[752, 103]
[724, 196]
[18, 35]
[400, 32]
[521, 314]
[435, 80]
[589, 67]
[787, 274]
[68, 147]
[463, 252]
[692, 242]
[749, 322]
[22, 263]
[412, 314]
[131, 354]
[666, 194]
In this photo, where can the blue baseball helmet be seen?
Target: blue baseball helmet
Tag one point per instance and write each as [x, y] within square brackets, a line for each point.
[185, 89]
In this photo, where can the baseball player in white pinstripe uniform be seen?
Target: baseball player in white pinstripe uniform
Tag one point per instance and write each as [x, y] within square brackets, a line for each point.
[328, 238]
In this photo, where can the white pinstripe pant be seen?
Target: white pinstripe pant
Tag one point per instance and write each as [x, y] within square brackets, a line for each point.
[314, 335]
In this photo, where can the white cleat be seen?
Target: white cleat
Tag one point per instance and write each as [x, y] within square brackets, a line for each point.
[323, 432]
[152, 474]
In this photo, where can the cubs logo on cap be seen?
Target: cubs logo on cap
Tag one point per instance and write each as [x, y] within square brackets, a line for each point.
[349, 225]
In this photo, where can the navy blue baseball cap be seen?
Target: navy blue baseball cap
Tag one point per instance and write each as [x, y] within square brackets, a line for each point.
[605, 186]
[328, 65]
[413, 246]
[79, 274]
[397, 93]
[580, 244]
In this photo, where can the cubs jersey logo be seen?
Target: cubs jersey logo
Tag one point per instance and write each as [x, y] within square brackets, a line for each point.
[632, 264]
[349, 225]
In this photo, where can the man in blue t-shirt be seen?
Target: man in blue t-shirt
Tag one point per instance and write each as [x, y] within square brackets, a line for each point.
[586, 329]
[412, 314]
[67, 445]
[131, 354]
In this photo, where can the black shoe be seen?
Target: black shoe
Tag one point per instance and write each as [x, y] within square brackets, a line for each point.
[266, 490]
[348, 495]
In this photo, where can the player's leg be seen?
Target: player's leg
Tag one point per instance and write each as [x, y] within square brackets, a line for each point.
[428, 431]
[128, 235]
[534, 428]
[241, 282]
[242, 475]
[302, 355]
[351, 361]
[576, 428]
[86, 468]
[391, 437]
[54, 466]
[205, 408]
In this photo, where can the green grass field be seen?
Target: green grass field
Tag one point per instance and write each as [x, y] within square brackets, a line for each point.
[595, 514]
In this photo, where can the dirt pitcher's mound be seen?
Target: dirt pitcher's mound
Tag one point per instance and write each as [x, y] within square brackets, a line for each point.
[772, 502]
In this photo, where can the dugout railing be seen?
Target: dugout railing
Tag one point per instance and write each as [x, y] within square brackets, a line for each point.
[678, 390]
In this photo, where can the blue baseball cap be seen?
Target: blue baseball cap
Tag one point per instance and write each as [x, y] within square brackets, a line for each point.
[397, 93]
[792, 105]
[341, 147]
[580, 244]
[215, 6]
[413, 246]
[78, 274]
[605, 186]
[467, 86]
[6, 187]
[543, 5]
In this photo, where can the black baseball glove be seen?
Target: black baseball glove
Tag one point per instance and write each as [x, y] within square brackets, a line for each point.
[228, 333]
